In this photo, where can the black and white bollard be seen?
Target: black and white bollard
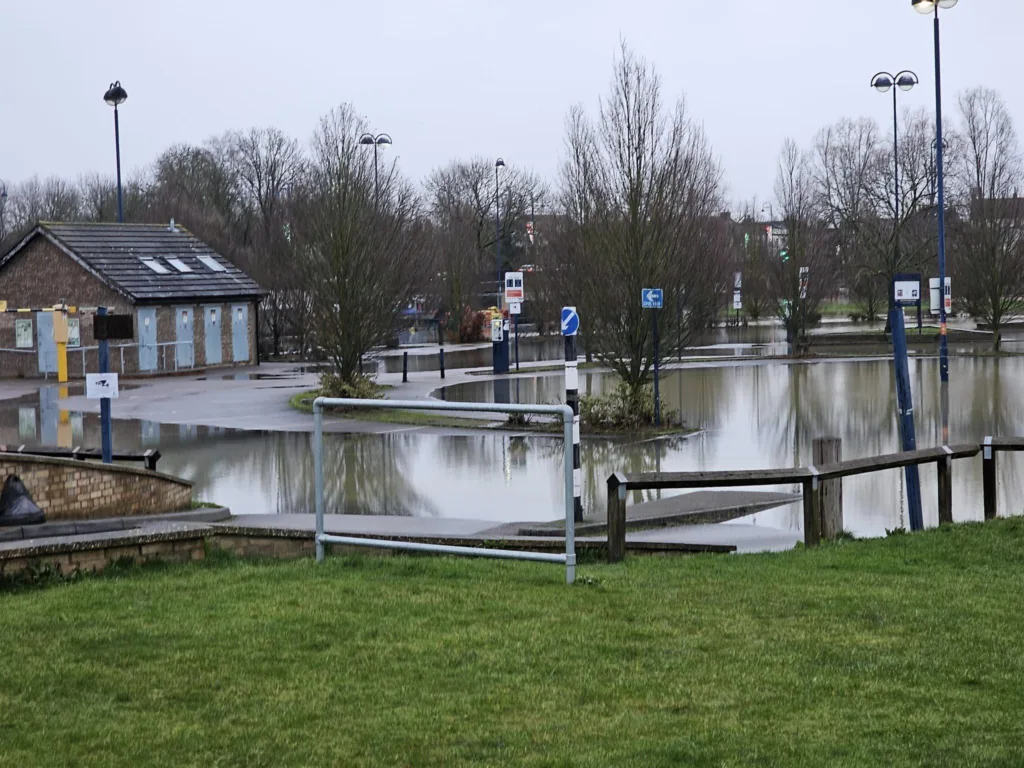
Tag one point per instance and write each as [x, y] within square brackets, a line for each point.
[572, 399]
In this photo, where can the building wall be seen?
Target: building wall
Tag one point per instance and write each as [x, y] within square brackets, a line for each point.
[68, 489]
[42, 275]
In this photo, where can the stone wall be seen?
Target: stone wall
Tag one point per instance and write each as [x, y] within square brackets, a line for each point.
[69, 489]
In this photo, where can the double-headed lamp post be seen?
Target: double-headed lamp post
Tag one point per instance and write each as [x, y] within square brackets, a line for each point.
[115, 96]
[932, 7]
[499, 163]
[883, 82]
[380, 140]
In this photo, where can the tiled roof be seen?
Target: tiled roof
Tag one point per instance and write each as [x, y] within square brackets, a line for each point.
[115, 253]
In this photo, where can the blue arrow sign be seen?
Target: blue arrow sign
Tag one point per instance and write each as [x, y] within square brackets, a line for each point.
[570, 321]
[651, 298]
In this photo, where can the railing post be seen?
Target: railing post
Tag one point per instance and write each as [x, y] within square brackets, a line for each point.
[318, 476]
[812, 520]
[829, 450]
[405, 367]
[945, 476]
[616, 518]
[442, 362]
[988, 477]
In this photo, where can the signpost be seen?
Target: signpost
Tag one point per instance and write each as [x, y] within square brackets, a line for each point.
[570, 327]
[514, 295]
[653, 299]
[106, 435]
[903, 295]
[933, 304]
[907, 292]
[737, 296]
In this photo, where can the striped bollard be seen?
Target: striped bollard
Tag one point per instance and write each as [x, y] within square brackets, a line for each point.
[570, 327]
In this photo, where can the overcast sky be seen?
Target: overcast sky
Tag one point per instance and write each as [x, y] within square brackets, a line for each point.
[469, 77]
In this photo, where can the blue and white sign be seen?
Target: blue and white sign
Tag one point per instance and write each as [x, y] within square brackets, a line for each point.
[570, 321]
[651, 298]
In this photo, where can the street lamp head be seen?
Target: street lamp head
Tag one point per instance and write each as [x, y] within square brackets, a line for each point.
[499, 163]
[906, 80]
[383, 139]
[928, 6]
[115, 94]
[367, 138]
[882, 82]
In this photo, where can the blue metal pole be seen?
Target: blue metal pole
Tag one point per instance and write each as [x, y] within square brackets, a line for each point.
[943, 348]
[905, 405]
[117, 150]
[105, 432]
[497, 235]
[657, 392]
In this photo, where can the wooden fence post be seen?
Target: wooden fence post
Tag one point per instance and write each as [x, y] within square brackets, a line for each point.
[812, 516]
[829, 450]
[988, 477]
[616, 518]
[945, 474]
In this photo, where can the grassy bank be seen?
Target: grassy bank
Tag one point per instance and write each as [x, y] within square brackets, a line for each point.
[902, 651]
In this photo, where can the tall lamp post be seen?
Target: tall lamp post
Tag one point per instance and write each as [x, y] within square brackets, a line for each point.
[883, 82]
[499, 163]
[115, 96]
[932, 7]
[381, 139]
[3, 207]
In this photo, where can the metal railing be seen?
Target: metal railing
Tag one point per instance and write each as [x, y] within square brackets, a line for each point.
[564, 412]
[157, 345]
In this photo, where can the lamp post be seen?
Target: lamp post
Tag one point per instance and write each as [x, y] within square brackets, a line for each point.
[932, 7]
[114, 96]
[3, 210]
[499, 163]
[883, 82]
[379, 140]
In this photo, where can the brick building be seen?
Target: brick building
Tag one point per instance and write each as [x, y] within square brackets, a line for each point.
[191, 308]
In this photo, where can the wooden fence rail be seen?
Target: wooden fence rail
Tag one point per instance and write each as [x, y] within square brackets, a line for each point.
[810, 479]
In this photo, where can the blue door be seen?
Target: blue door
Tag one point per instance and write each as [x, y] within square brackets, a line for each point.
[240, 332]
[211, 324]
[183, 353]
[45, 344]
[147, 339]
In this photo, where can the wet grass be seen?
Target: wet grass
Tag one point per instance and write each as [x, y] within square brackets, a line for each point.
[900, 651]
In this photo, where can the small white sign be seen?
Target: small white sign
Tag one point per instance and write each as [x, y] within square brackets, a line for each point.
[933, 284]
[805, 273]
[101, 385]
[514, 286]
[23, 334]
[737, 281]
[496, 332]
[515, 308]
[737, 300]
[907, 291]
[74, 332]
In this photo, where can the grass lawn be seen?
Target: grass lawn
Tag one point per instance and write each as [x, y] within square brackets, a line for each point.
[902, 651]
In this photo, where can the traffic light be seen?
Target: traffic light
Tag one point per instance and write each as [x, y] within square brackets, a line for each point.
[784, 254]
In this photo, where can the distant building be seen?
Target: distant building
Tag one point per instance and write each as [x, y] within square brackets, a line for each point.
[191, 308]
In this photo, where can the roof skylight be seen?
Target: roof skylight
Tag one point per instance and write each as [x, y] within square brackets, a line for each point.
[156, 266]
[212, 263]
[178, 264]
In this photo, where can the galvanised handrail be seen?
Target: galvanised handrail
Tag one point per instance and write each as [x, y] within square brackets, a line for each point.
[562, 411]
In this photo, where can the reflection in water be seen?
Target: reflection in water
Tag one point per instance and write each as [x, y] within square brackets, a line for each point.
[753, 417]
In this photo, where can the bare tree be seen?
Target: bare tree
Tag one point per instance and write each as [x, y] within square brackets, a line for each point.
[988, 234]
[462, 198]
[269, 166]
[360, 261]
[640, 192]
[806, 242]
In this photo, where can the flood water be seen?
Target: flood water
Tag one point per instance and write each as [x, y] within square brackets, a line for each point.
[751, 416]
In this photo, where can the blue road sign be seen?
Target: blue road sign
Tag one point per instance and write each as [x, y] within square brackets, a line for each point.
[651, 298]
[570, 321]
